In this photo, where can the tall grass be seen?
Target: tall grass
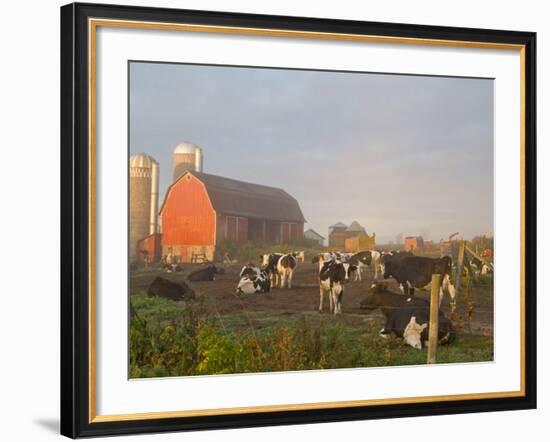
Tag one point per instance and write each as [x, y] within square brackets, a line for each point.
[170, 339]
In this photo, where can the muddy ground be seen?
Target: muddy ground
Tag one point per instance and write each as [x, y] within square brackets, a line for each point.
[219, 297]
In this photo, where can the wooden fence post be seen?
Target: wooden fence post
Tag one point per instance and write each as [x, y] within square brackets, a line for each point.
[434, 318]
[459, 267]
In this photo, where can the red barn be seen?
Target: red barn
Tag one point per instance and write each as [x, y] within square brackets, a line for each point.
[201, 210]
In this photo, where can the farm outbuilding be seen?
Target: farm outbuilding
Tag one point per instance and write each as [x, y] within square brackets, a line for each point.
[339, 234]
[201, 210]
[360, 243]
[413, 243]
[314, 236]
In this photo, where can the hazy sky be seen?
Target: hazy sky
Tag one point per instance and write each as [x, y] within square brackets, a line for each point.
[399, 154]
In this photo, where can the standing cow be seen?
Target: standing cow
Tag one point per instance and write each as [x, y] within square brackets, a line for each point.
[269, 263]
[333, 274]
[416, 272]
[361, 260]
[280, 268]
[393, 255]
[285, 269]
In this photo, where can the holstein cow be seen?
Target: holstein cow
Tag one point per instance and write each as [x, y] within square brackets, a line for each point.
[269, 263]
[370, 258]
[327, 256]
[411, 323]
[393, 255]
[167, 289]
[399, 310]
[173, 268]
[333, 274]
[285, 269]
[380, 297]
[253, 280]
[206, 274]
[416, 272]
[480, 267]
[300, 256]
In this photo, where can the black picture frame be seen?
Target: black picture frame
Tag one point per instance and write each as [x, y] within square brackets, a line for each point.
[75, 219]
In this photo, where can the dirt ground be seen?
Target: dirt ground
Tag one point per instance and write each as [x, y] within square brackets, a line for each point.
[219, 297]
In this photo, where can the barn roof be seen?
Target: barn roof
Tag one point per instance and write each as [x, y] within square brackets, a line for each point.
[338, 225]
[313, 232]
[355, 227]
[239, 198]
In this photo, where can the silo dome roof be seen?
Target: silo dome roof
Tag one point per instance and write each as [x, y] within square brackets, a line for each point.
[142, 160]
[186, 147]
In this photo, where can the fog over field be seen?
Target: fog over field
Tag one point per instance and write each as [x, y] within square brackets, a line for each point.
[399, 154]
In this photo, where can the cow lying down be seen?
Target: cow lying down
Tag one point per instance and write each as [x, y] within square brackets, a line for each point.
[171, 290]
[253, 280]
[407, 317]
[207, 273]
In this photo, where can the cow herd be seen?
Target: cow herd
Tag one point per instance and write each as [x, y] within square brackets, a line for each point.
[405, 315]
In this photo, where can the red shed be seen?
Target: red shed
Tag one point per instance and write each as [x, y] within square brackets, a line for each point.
[413, 243]
[201, 210]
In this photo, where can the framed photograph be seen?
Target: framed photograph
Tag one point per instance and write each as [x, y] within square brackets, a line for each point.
[274, 220]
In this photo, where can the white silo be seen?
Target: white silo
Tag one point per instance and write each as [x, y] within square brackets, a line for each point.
[144, 184]
[187, 156]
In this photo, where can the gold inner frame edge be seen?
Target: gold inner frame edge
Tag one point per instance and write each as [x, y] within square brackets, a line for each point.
[93, 24]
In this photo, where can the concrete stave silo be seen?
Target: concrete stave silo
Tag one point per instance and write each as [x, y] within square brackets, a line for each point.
[144, 187]
[187, 156]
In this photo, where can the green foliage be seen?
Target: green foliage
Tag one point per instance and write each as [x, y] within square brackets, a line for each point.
[168, 339]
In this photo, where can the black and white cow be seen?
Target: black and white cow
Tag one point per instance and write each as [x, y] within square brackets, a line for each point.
[253, 280]
[327, 256]
[167, 289]
[285, 269]
[364, 260]
[480, 267]
[416, 272]
[206, 274]
[333, 274]
[174, 267]
[380, 297]
[269, 264]
[393, 255]
[399, 311]
[412, 324]
[249, 270]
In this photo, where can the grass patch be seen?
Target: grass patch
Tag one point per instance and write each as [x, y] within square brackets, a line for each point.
[174, 339]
